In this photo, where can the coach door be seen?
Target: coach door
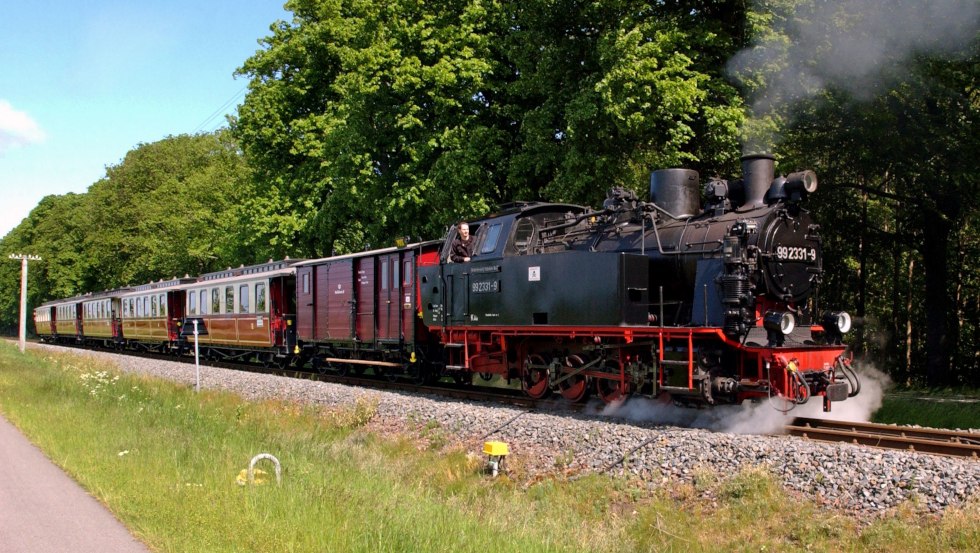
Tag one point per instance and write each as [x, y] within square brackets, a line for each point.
[389, 297]
[304, 302]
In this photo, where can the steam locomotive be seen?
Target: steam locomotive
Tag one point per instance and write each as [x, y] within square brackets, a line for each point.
[709, 305]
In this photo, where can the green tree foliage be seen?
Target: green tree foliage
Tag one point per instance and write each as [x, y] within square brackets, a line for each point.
[169, 208]
[369, 119]
[888, 114]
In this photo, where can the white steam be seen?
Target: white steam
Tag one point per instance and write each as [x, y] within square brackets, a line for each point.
[766, 417]
[858, 46]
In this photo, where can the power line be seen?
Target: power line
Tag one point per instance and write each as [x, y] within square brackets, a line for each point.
[221, 110]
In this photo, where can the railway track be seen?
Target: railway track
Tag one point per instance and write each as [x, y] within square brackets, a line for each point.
[923, 440]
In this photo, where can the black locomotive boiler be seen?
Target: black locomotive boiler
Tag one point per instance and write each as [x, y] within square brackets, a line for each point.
[712, 304]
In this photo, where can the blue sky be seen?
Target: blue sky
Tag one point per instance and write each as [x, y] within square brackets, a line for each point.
[82, 83]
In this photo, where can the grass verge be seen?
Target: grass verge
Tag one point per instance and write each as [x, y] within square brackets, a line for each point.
[932, 408]
[164, 460]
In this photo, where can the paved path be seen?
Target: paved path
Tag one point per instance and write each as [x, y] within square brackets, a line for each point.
[42, 510]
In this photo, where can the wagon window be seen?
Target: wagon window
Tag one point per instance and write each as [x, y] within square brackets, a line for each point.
[407, 274]
[243, 298]
[215, 300]
[384, 274]
[260, 297]
[193, 306]
[306, 283]
[229, 299]
[163, 305]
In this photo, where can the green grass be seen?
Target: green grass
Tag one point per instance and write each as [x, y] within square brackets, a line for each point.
[933, 408]
[165, 460]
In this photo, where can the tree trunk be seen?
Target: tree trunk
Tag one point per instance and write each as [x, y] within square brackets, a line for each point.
[936, 269]
[908, 319]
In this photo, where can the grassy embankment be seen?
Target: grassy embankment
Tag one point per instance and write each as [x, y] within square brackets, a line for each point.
[164, 459]
[935, 408]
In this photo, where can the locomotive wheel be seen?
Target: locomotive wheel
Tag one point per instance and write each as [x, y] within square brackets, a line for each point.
[612, 390]
[575, 388]
[535, 380]
[318, 365]
[463, 378]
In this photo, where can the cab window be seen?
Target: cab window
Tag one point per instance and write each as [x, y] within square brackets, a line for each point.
[490, 241]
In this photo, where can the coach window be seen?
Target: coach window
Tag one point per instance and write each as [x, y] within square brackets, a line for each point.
[204, 302]
[229, 299]
[306, 283]
[260, 297]
[153, 306]
[216, 300]
[243, 298]
[384, 274]
[163, 305]
[193, 306]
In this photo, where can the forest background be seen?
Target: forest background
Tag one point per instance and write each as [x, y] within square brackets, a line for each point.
[367, 120]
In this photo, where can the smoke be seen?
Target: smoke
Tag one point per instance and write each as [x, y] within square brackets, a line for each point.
[765, 417]
[858, 46]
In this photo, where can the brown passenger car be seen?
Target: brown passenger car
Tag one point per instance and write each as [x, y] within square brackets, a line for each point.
[247, 310]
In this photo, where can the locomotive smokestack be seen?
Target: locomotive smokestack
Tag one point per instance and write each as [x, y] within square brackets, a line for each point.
[758, 172]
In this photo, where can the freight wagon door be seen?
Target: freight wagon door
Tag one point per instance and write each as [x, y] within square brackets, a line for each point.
[339, 292]
[304, 303]
[364, 325]
[407, 297]
[389, 286]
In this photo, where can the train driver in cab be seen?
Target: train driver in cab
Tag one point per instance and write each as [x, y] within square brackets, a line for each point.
[462, 248]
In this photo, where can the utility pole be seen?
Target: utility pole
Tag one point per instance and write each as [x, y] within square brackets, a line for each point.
[23, 294]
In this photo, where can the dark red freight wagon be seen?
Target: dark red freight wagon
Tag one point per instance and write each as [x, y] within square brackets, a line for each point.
[360, 311]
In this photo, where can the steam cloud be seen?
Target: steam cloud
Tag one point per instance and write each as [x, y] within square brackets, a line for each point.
[765, 417]
[858, 46]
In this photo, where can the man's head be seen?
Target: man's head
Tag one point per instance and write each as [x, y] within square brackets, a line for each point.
[464, 231]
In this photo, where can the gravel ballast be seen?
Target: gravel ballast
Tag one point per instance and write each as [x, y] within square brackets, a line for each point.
[855, 479]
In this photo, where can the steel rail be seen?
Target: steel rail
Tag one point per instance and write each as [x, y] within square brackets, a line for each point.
[923, 440]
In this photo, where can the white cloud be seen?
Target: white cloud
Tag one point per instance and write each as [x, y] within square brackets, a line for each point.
[17, 128]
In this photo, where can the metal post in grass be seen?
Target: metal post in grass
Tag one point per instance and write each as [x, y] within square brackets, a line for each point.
[23, 294]
[197, 361]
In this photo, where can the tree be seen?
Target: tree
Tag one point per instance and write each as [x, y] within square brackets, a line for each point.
[374, 119]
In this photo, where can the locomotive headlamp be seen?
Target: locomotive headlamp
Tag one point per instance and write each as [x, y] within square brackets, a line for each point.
[835, 325]
[805, 181]
[778, 324]
[779, 321]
